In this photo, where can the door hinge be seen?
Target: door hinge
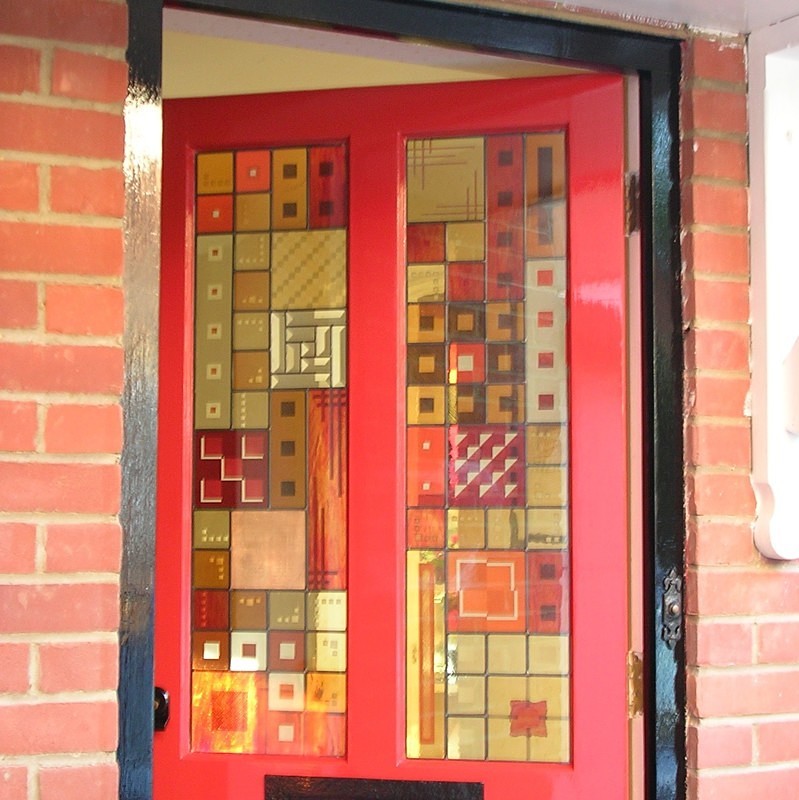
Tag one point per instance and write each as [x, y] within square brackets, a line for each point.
[635, 685]
[632, 203]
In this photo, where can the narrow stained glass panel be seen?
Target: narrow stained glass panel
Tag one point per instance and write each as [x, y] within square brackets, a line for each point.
[487, 558]
[269, 578]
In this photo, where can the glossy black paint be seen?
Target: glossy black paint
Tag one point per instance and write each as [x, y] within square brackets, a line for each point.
[656, 61]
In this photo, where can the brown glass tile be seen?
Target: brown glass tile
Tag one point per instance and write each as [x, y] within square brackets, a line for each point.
[248, 610]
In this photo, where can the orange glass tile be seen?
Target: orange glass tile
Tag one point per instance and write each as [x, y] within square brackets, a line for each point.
[214, 213]
[253, 171]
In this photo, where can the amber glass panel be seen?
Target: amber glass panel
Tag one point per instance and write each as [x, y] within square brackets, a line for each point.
[487, 455]
[269, 600]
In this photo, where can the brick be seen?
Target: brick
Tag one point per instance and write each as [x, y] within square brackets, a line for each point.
[59, 608]
[722, 159]
[713, 110]
[86, 547]
[83, 429]
[17, 547]
[742, 592]
[716, 204]
[778, 741]
[718, 253]
[735, 692]
[60, 368]
[58, 728]
[719, 445]
[739, 785]
[63, 131]
[719, 745]
[14, 671]
[778, 642]
[84, 310]
[91, 782]
[86, 21]
[19, 186]
[89, 77]
[717, 349]
[717, 300]
[19, 424]
[716, 59]
[718, 643]
[13, 783]
[67, 488]
[712, 543]
[717, 397]
[78, 667]
[19, 304]
[19, 69]
[75, 190]
[52, 249]
[714, 494]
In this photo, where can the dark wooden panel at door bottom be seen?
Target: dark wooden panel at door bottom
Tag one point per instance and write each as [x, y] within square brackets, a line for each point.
[297, 788]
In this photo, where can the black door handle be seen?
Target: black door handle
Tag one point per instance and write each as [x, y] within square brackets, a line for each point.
[160, 708]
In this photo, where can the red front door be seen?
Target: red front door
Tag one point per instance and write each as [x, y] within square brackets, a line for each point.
[393, 533]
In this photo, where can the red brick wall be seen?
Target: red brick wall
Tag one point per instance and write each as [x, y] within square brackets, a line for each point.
[62, 84]
[742, 634]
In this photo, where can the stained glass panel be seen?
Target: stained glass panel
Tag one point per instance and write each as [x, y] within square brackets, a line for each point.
[269, 602]
[487, 560]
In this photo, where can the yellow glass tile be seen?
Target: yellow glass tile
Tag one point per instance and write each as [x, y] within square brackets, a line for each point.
[211, 530]
[503, 690]
[426, 405]
[507, 654]
[501, 745]
[425, 283]
[214, 173]
[554, 690]
[252, 251]
[546, 444]
[546, 229]
[505, 403]
[326, 691]
[250, 370]
[546, 486]
[290, 189]
[555, 746]
[504, 322]
[466, 528]
[426, 364]
[466, 738]
[549, 655]
[425, 323]
[251, 291]
[465, 241]
[466, 694]
[506, 528]
[424, 655]
[252, 212]
[467, 653]
[250, 410]
[547, 529]
[445, 179]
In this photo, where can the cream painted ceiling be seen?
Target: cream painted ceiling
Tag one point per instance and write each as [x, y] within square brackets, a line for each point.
[207, 54]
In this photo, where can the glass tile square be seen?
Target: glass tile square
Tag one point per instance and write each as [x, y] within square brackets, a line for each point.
[466, 653]
[286, 651]
[466, 694]
[327, 611]
[287, 610]
[549, 655]
[211, 530]
[247, 651]
[507, 654]
[466, 738]
[248, 610]
[326, 652]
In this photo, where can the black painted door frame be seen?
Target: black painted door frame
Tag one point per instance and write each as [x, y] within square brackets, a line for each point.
[656, 62]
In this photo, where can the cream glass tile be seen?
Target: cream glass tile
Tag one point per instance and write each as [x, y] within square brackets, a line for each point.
[466, 694]
[466, 653]
[286, 691]
[212, 530]
[466, 528]
[327, 652]
[425, 283]
[466, 738]
[445, 179]
[327, 611]
[507, 654]
[547, 274]
[547, 529]
[501, 745]
[546, 486]
[554, 691]
[506, 528]
[549, 655]
[502, 691]
[247, 651]
[465, 241]
[555, 746]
